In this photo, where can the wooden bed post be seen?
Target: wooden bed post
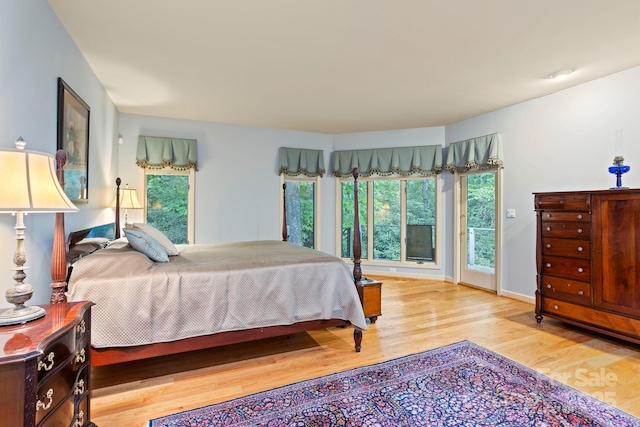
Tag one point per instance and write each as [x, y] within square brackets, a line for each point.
[59, 251]
[118, 181]
[357, 253]
[285, 234]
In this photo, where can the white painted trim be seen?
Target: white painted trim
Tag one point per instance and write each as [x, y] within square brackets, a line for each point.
[369, 261]
[456, 227]
[316, 205]
[520, 297]
[436, 277]
[281, 204]
[316, 214]
[499, 231]
[457, 241]
[338, 231]
[440, 226]
[191, 195]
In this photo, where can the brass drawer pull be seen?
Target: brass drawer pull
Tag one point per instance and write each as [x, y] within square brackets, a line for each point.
[580, 270]
[81, 328]
[79, 387]
[80, 356]
[43, 365]
[79, 419]
[45, 406]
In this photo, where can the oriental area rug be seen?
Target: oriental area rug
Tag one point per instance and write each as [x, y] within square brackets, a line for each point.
[461, 384]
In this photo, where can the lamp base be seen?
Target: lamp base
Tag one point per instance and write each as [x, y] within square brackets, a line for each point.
[16, 316]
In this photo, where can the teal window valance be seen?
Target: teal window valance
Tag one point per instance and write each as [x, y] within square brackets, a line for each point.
[484, 152]
[421, 161]
[175, 153]
[299, 161]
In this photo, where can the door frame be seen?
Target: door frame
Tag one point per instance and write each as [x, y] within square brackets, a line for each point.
[457, 246]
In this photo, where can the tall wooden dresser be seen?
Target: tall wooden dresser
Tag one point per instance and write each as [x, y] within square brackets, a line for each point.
[588, 260]
[45, 369]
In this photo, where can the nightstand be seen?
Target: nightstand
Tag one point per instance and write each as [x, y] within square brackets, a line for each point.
[372, 299]
[45, 368]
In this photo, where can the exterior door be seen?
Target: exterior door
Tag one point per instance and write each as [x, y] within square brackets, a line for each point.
[478, 231]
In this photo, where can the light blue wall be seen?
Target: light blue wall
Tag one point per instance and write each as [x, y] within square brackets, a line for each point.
[35, 50]
[237, 184]
[564, 141]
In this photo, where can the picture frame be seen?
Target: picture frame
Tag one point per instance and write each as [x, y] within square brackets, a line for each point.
[73, 138]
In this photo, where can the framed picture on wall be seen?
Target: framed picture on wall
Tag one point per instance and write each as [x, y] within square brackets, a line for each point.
[73, 138]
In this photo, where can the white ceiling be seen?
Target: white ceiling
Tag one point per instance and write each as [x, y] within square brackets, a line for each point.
[339, 66]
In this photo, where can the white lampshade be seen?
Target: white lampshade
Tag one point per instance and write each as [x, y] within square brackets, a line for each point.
[128, 199]
[32, 184]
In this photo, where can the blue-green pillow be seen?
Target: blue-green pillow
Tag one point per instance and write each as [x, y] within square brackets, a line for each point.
[147, 245]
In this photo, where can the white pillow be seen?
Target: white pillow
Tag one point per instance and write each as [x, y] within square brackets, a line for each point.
[147, 245]
[164, 241]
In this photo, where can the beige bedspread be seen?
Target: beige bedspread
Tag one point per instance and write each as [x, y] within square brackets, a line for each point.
[208, 289]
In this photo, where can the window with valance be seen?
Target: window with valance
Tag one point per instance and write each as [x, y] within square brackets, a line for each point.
[175, 153]
[299, 161]
[403, 161]
[398, 204]
[300, 171]
[484, 152]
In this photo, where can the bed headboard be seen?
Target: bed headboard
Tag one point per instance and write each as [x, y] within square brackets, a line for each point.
[104, 230]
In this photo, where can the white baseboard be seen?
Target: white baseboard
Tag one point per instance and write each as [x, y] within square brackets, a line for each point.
[406, 275]
[519, 297]
[505, 293]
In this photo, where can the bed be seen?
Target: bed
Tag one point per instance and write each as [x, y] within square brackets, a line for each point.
[208, 295]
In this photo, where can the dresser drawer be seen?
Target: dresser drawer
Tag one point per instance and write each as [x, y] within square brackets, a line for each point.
[55, 354]
[566, 290]
[566, 247]
[569, 230]
[61, 416]
[570, 201]
[57, 388]
[565, 216]
[590, 316]
[572, 268]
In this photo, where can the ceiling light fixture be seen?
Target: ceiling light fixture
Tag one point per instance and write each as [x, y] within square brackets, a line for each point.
[559, 75]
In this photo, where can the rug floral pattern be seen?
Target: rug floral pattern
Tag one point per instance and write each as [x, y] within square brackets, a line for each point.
[462, 384]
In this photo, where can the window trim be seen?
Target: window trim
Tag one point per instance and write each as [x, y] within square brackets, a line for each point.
[191, 196]
[403, 263]
[316, 204]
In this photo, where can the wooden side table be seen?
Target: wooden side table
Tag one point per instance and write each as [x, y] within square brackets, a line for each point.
[372, 299]
[45, 368]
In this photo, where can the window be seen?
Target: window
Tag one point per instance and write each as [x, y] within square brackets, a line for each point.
[401, 228]
[169, 203]
[302, 203]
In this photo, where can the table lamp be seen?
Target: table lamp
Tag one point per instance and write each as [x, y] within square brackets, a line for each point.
[128, 200]
[33, 188]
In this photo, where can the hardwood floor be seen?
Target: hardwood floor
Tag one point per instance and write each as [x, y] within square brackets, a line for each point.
[417, 315]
